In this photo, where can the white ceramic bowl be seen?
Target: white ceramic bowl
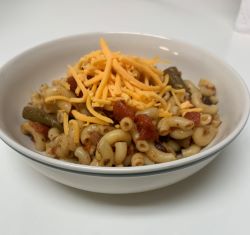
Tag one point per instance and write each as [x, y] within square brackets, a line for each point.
[41, 64]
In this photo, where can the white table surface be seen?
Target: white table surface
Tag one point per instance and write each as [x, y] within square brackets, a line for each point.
[214, 201]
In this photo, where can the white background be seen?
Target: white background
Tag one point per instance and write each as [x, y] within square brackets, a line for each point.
[214, 201]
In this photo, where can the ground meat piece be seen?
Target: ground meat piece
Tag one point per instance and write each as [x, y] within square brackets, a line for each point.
[121, 110]
[193, 116]
[146, 128]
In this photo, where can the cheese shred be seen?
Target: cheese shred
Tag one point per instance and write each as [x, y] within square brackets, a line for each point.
[66, 123]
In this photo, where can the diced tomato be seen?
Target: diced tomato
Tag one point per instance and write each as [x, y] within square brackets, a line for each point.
[121, 110]
[193, 116]
[145, 127]
[40, 128]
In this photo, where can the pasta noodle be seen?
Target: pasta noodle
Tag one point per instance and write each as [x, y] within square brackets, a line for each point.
[158, 156]
[53, 133]
[113, 109]
[191, 150]
[202, 136]
[165, 124]
[82, 155]
[180, 134]
[137, 159]
[38, 138]
[142, 145]
[127, 124]
[120, 152]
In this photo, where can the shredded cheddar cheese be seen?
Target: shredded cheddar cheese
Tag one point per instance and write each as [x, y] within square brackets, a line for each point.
[105, 78]
[88, 119]
[119, 69]
[66, 123]
[96, 114]
[79, 82]
[93, 80]
[177, 101]
[56, 97]
[76, 130]
[144, 68]
[186, 105]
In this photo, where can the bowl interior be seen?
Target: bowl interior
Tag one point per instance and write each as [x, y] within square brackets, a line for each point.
[26, 72]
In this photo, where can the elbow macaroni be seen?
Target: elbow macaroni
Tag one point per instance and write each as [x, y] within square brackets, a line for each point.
[165, 124]
[137, 159]
[127, 124]
[191, 150]
[158, 156]
[202, 136]
[120, 152]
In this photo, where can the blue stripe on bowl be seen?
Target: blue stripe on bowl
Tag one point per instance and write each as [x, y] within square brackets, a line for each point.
[125, 174]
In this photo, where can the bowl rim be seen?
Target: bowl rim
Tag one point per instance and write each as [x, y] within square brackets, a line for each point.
[77, 168]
